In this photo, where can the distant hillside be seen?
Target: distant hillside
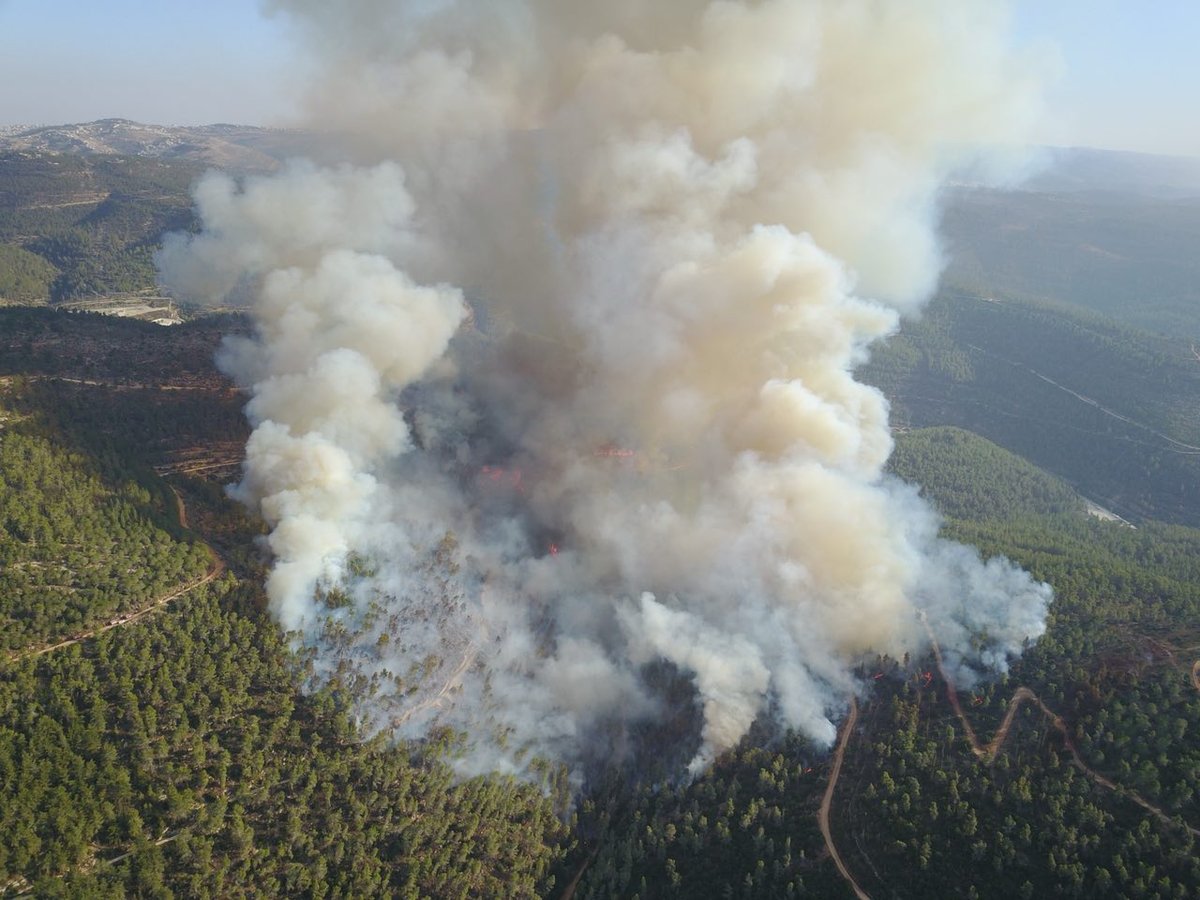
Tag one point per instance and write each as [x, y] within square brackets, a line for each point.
[83, 207]
[242, 148]
[1109, 409]
[1143, 174]
[76, 226]
[1130, 257]
[1110, 232]
[1115, 233]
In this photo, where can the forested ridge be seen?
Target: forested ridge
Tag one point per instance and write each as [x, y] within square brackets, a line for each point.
[48, 343]
[184, 743]
[1107, 408]
[969, 477]
[73, 225]
[1106, 243]
[1123, 632]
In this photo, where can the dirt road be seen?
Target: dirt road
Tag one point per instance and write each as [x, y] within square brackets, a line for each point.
[215, 571]
[827, 801]
[438, 698]
[130, 385]
[569, 892]
[1173, 445]
[989, 752]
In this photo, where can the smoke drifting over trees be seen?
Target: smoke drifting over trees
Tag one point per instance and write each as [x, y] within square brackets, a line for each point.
[556, 383]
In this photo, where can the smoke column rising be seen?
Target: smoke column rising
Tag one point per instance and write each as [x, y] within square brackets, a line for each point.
[557, 382]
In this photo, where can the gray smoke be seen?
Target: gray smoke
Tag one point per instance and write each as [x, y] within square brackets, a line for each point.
[557, 383]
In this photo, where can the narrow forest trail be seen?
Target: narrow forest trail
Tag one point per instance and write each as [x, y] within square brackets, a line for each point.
[827, 801]
[569, 891]
[22, 887]
[216, 569]
[990, 751]
[128, 386]
[180, 509]
[452, 681]
[162, 840]
[25, 889]
[1173, 445]
[823, 815]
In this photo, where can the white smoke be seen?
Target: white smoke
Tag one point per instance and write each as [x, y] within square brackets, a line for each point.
[679, 227]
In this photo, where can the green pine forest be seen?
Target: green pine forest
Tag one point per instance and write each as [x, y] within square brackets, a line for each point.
[177, 755]
[156, 739]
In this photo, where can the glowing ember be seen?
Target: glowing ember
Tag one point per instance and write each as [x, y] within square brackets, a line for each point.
[501, 475]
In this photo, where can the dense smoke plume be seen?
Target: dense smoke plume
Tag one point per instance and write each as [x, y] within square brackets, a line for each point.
[556, 384]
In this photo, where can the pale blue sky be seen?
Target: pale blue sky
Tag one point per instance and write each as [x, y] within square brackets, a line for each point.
[174, 62]
[1130, 74]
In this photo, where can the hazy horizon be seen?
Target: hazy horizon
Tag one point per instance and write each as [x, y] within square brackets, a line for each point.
[1119, 79]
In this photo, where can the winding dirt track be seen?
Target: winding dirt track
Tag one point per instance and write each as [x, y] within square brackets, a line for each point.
[218, 567]
[827, 801]
[215, 571]
[988, 752]
[822, 815]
